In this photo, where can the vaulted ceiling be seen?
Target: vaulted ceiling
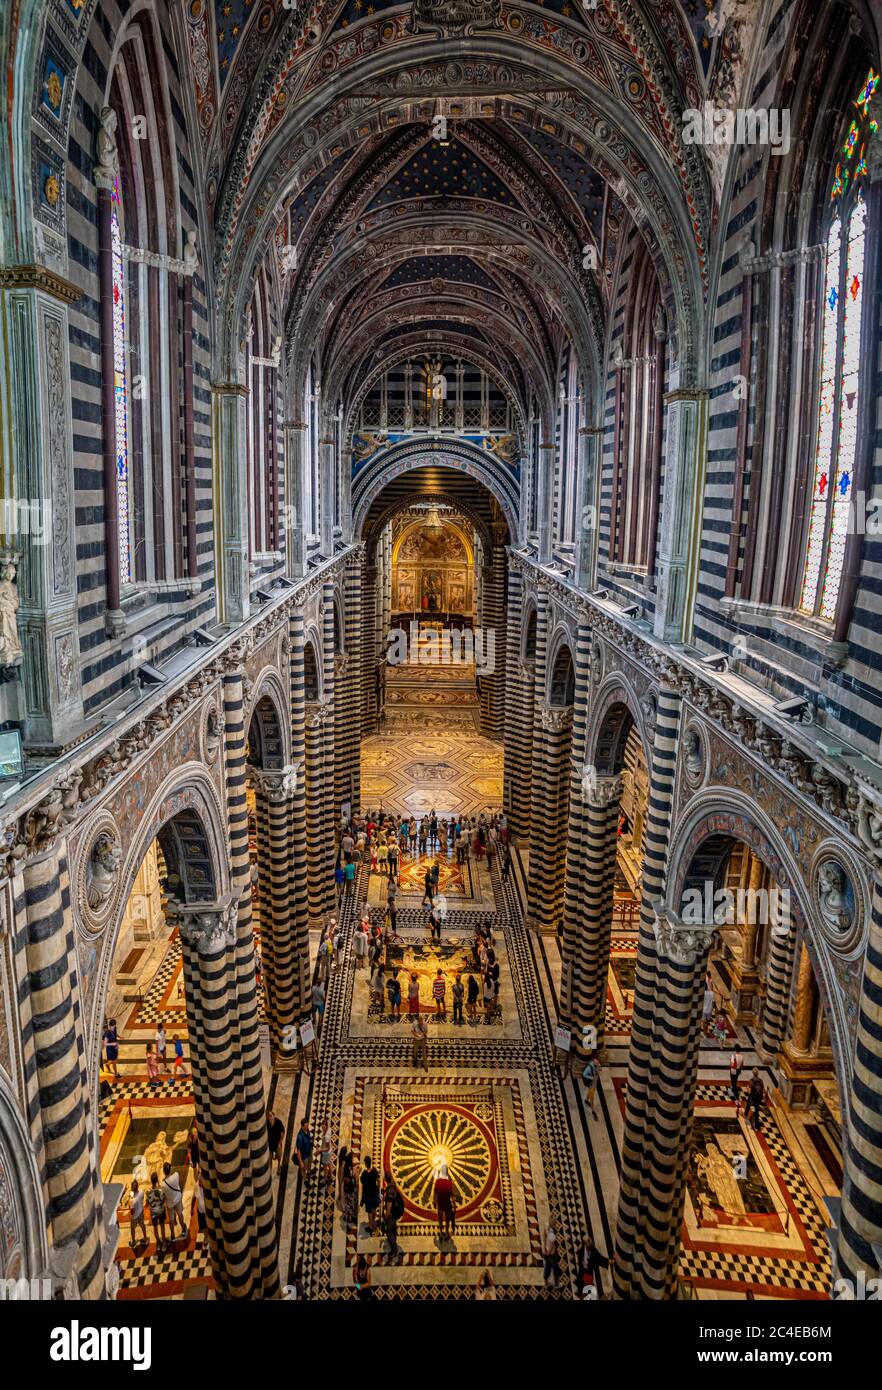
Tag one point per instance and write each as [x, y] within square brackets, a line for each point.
[561, 126]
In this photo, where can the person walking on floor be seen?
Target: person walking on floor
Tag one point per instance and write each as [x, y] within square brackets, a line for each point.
[589, 1263]
[111, 1052]
[736, 1066]
[136, 1213]
[275, 1132]
[439, 994]
[755, 1098]
[393, 1210]
[370, 1192]
[550, 1258]
[589, 1076]
[419, 1032]
[458, 993]
[472, 999]
[303, 1149]
[156, 1203]
[174, 1200]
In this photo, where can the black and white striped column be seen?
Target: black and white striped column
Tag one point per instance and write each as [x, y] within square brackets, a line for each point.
[330, 810]
[58, 1090]
[574, 834]
[779, 979]
[299, 862]
[369, 648]
[859, 1237]
[247, 1061]
[588, 909]
[661, 1043]
[282, 970]
[550, 811]
[493, 630]
[234, 1159]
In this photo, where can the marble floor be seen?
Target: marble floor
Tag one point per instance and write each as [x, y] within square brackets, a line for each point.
[524, 1148]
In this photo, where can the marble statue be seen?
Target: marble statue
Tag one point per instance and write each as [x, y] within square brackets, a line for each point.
[10, 646]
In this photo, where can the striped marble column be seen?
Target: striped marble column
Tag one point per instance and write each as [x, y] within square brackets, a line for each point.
[58, 1091]
[548, 831]
[316, 716]
[518, 766]
[649, 1018]
[299, 873]
[282, 971]
[859, 1238]
[330, 809]
[534, 703]
[779, 979]
[588, 911]
[573, 889]
[243, 984]
[493, 629]
[368, 648]
[348, 753]
[234, 1159]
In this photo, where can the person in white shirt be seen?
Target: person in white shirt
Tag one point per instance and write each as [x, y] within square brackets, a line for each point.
[174, 1200]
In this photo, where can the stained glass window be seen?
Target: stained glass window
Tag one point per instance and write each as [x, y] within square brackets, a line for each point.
[120, 387]
[836, 447]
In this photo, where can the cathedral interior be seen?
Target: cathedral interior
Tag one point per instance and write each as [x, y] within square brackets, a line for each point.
[440, 661]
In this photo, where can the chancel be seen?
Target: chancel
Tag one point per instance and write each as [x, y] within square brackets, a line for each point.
[440, 663]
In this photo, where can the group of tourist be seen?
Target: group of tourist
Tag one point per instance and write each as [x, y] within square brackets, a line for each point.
[164, 1199]
[381, 841]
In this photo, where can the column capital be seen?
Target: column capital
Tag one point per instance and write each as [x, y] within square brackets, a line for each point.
[556, 718]
[210, 927]
[319, 712]
[39, 277]
[600, 790]
[683, 942]
[277, 785]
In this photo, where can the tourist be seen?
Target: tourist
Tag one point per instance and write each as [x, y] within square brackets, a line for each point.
[360, 946]
[295, 1292]
[412, 835]
[708, 1007]
[199, 1204]
[393, 858]
[275, 1131]
[361, 1277]
[193, 1149]
[303, 1149]
[428, 889]
[506, 864]
[472, 999]
[342, 1155]
[325, 1149]
[179, 1067]
[383, 856]
[458, 992]
[755, 1098]
[378, 989]
[156, 1203]
[318, 1004]
[111, 1053]
[489, 997]
[444, 1202]
[435, 924]
[419, 1032]
[370, 1192]
[349, 877]
[423, 835]
[486, 1288]
[550, 1257]
[413, 995]
[589, 1076]
[589, 1263]
[347, 844]
[161, 1046]
[393, 1210]
[350, 1192]
[436, 875]
[736, 1066]
[439, 994]
[136, 1213]
[433, 828]
[174, 1200]
[339, 881]
[152, 1065]
[393, 989]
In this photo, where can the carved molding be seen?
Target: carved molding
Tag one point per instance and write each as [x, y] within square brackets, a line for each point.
[210, 927]
[683, 942]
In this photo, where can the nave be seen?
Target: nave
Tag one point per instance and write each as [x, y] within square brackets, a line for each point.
[521, 1138]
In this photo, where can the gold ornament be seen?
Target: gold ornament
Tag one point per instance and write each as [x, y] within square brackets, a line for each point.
[51, 190]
